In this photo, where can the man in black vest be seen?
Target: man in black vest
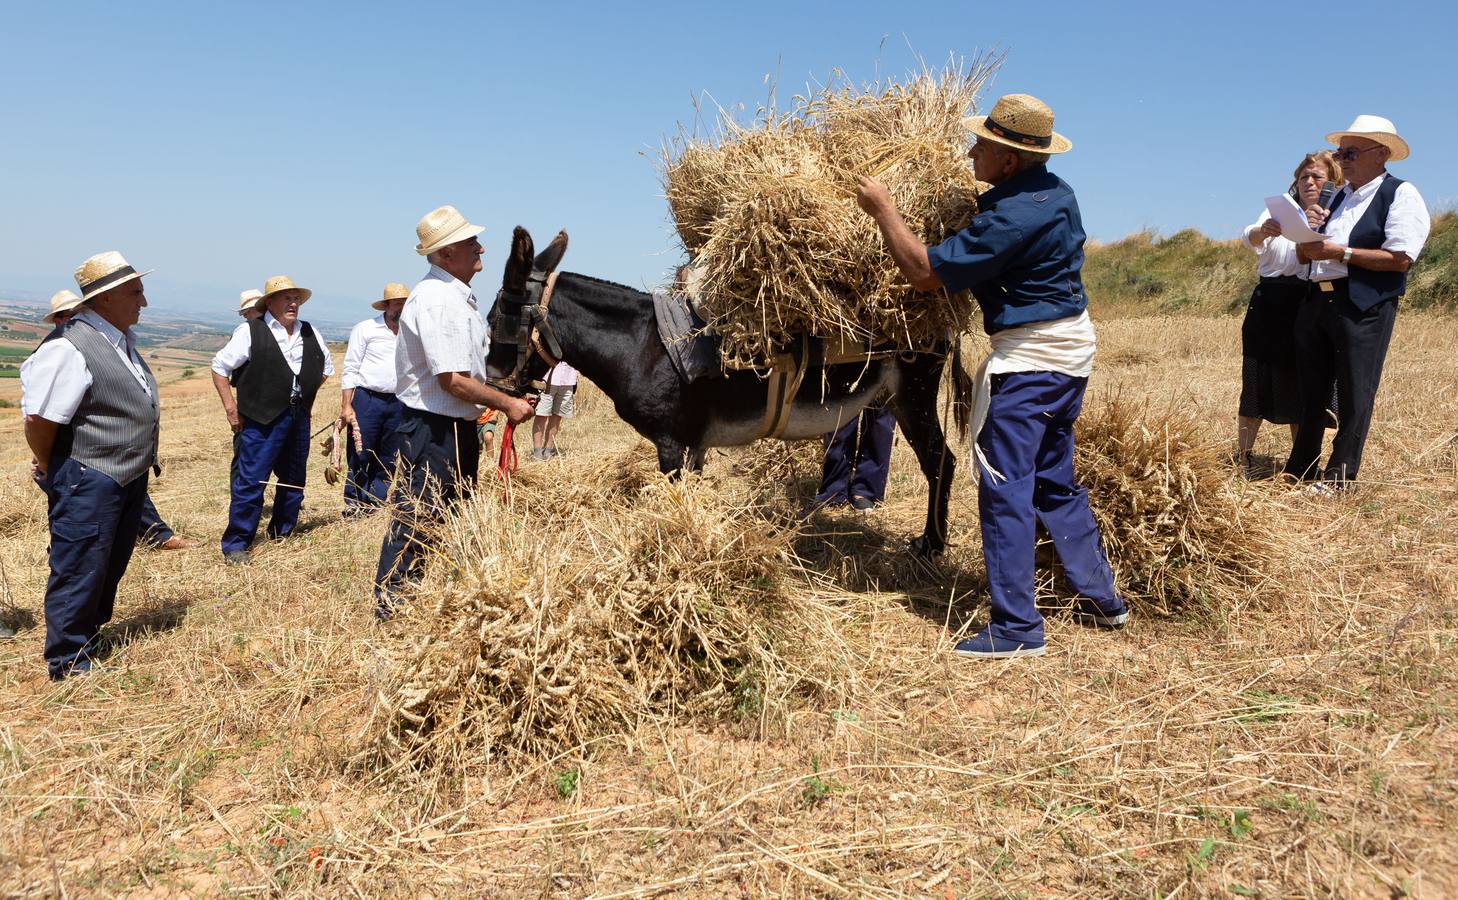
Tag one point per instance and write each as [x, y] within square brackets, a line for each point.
[277, 363]
[1376, 227]
[91, 418]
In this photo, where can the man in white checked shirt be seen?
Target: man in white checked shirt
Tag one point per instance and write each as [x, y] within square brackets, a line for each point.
[440, 367]
[369, 405]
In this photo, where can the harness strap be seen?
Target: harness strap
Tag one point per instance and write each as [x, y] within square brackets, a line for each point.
[787, 373]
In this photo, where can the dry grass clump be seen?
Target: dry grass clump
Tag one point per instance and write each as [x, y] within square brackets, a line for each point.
[21, 502]
[1180, 531]
[545, 623]
[768, 212]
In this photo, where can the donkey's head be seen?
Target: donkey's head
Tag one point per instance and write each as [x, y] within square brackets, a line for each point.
[510, 356]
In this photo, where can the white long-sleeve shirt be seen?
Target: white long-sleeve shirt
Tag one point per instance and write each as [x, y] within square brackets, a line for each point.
[239, 347]
[369, 361]
[1277, 254]
[1408, 224]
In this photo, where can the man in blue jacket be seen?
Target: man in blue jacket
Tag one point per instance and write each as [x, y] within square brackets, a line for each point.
[1021, 257]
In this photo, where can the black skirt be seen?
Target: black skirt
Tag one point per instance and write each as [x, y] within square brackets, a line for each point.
[1270, 387]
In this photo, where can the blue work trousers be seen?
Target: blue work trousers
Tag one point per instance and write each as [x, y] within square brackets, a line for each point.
[858, 458]
[153, 531]
[378, 418]
[94, 524]
[280, 448]
[1028, 439]
[438, 460]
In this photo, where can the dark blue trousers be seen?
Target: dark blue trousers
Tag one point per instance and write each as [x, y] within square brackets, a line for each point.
[94, 525]
[1028, 438]
[153, 531]
[280, 448]
[378, 417]
[858, 458]
[439, 456]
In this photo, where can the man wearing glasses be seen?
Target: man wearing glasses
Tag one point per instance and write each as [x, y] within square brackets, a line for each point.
[1374, 232]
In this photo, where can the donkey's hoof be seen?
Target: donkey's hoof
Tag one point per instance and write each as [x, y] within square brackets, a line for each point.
[923, 548]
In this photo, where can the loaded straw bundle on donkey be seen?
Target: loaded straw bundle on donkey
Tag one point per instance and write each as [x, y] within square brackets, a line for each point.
[809, 317]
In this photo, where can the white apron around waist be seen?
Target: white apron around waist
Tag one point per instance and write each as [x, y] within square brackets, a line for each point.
[1062, 345]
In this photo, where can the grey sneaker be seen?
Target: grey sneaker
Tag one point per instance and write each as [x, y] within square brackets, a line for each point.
[237, 558]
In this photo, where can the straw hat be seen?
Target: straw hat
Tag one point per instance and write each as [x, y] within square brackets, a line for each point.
[277, 284]
[441, 227]
[103, 272]
[1022, 121]
[393, 291]
[61, 301]
[1374, 128]
[249, 299]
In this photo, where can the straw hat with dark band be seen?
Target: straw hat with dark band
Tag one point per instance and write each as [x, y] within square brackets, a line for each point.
[103, 272]
[1374, 128]
[442, 227]
[62, 301]
[277, 284]
[393, 291]
[1021, 121]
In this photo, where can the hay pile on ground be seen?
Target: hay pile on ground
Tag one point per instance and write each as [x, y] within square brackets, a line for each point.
[547, 620]
[769, 216]
[1181, 531]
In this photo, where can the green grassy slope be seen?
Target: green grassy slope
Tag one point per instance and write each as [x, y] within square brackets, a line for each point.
[1188, 272]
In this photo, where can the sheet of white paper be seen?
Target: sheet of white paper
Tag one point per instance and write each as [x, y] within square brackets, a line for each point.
[1292, 220]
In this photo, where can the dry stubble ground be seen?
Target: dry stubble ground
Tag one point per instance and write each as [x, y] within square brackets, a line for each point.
[1298, 745]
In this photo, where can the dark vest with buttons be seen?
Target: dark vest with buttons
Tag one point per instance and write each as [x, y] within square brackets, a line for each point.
[266, 383]
[1365, 287]
[115, 429]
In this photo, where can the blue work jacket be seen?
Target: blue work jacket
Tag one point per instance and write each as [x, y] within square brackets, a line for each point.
[1021, 255]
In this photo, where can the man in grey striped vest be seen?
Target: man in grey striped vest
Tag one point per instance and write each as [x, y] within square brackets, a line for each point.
[91, 419]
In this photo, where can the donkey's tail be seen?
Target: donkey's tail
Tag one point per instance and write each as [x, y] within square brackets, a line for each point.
[961, 389]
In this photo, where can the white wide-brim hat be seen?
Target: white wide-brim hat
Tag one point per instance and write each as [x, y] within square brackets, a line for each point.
[250, 299]
[277, 284]
[1021, 121]
[393, 291]
[1374, 128]
[442, 227]
[61, 301]
[104, 271]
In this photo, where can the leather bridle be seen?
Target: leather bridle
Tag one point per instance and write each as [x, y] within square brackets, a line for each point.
[521, 320]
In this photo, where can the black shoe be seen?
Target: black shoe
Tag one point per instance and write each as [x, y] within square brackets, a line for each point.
[237, 558]
[863, 504]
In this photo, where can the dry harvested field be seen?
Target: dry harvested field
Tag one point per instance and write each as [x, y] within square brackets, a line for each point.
[1297, 740]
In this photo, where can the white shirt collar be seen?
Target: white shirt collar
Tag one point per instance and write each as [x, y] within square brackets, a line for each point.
[276, 325]
[1367, 189]
[115, 336]
[460, 286]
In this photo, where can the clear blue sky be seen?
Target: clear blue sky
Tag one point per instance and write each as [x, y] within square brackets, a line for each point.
[220, 143]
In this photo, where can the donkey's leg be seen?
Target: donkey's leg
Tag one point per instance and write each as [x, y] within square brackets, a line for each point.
[696, 459]
[915, 407]
[672, 457]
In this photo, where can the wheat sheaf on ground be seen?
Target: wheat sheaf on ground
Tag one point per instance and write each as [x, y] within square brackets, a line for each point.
[554, 620]
[1181, 532]
[767, 212]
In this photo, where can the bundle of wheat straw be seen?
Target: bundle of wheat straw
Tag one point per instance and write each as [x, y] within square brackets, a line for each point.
[1182, 534]
[769, 217]
[563, 616]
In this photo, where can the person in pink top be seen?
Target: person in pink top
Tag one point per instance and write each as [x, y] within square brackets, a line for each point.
[554, 405]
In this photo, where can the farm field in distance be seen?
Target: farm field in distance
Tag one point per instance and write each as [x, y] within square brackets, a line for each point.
[1299, 743]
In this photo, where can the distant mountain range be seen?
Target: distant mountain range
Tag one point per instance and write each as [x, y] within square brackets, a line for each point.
[18, 317]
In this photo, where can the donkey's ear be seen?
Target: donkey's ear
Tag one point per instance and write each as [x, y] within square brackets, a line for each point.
[548, 259]
[518, 262]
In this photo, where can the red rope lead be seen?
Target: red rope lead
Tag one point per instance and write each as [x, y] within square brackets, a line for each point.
[506, 463]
